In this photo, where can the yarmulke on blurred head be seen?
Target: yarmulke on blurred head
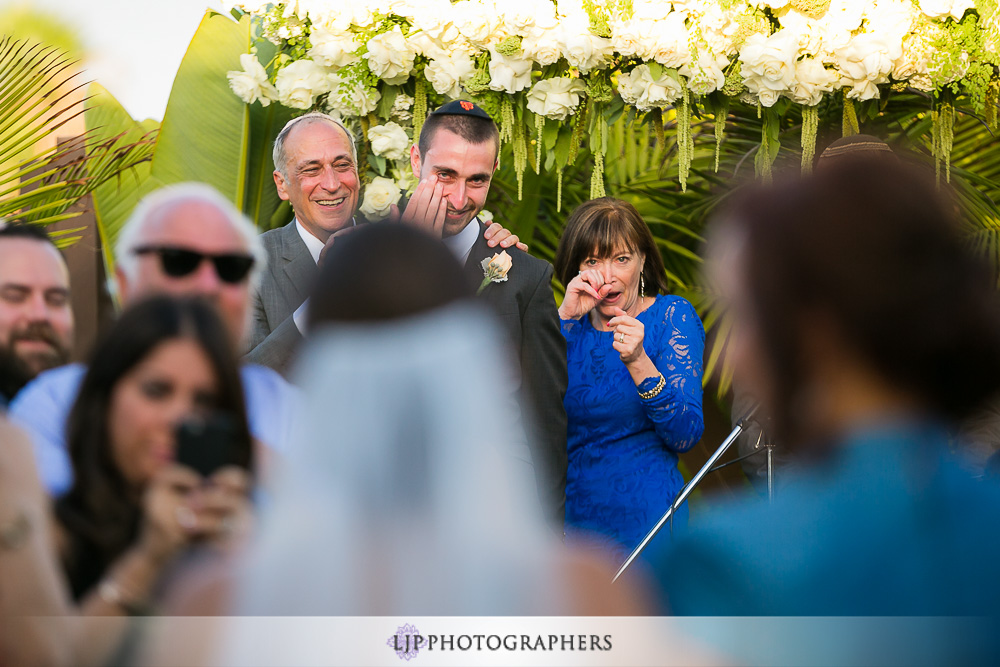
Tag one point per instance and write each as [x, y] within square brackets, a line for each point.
[856, 146]
[461, 108]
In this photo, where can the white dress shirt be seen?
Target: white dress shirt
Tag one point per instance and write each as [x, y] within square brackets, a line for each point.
[315, 247]
[461, 244]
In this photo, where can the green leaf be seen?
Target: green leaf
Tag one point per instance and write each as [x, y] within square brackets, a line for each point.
[115, 199]
[206, 128]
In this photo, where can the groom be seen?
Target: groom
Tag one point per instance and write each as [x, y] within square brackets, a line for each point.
[455, 160]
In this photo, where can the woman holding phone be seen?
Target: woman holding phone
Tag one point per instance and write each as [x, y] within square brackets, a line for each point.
[134, 508]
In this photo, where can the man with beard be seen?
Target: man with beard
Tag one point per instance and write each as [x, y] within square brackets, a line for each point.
[36, 321]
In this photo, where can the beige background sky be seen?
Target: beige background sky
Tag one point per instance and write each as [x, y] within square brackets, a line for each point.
[134, 46]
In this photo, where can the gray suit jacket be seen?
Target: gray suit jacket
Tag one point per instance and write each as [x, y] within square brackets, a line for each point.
[274, 339]
[527, 310]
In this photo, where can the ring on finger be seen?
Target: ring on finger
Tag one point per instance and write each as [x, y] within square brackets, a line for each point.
[621, 337]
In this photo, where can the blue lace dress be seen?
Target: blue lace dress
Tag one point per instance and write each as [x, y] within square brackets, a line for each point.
[622, 472]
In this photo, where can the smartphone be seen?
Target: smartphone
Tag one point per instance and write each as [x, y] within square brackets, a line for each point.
[205, 445]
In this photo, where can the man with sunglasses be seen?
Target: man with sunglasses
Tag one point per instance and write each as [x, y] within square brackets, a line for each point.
[184, 240]
[315, 170]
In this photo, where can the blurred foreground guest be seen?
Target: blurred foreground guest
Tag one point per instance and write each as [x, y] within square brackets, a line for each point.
[868, 332]
[31, 584]
[36, 321]
[635, 364]
[753, 439]
[401, 496]
[184, 240]
[133, 509]
[414, 503]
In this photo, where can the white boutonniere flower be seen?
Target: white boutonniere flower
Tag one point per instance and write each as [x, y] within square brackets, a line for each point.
[495, 269]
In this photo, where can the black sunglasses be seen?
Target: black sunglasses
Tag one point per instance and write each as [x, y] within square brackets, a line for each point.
[178, 262]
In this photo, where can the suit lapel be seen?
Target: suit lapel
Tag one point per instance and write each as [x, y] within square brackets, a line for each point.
[299, 267]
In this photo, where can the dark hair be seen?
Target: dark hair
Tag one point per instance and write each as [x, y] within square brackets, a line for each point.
[473, 129]
[872, 246]
[102, 513]
[23, 230]
[599, 227]
[385, 271]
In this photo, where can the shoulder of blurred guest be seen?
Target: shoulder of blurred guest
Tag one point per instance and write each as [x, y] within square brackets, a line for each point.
[57, 384]
[271, 402]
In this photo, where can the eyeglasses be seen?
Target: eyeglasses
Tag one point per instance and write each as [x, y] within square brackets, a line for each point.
[178, 262]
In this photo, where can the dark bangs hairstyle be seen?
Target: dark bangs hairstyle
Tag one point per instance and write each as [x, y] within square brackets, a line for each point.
[102, 513]
[599, 227]
[871, 246]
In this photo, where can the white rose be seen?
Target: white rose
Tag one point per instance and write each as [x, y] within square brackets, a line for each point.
[542, 46]
[707, 74]
[389, 141]
[447, 74]
[380, 195]
[844, 15]
[402, 107]
[509, 75]
[585, 50]
[334, 50]
[479, 23]
[299, 83]
[666, 41]
[641, 90]
[555, 98]
[868, 57]
[863, 90]
[812, 80]
[768, 97]
[435, 20]
[337, 16]
[769, 62]
[251, 85]
[390, 57]
[425, 45]
[353, 100]
[485, 216]
[626, 36]
[893, 19]
[938, 9]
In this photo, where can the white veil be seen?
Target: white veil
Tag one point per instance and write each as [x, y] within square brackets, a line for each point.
[406, 491]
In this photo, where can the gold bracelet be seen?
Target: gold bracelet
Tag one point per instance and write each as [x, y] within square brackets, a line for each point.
[655, 391]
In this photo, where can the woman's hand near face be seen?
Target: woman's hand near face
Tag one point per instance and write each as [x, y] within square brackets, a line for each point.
[222, 506]
[169, 522]
[583, 294]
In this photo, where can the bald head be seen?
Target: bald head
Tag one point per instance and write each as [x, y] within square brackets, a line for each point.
[189, 240]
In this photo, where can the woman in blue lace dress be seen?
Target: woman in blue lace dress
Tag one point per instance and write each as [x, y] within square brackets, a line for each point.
[635, 366]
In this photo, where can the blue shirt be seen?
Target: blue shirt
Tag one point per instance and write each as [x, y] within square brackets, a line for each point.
[43, 407]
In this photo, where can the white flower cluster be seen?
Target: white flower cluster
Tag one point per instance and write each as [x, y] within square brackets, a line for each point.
[800, 50]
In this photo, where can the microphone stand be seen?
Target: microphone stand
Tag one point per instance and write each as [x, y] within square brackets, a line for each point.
[690, 486]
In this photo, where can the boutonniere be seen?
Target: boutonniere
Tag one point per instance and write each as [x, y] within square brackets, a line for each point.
[495, 269]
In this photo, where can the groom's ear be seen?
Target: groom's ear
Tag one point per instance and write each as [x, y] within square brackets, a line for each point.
[415, 160]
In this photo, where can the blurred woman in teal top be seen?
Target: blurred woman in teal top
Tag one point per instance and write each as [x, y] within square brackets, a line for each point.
[868, 332]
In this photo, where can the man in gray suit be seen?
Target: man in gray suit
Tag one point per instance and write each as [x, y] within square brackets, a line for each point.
[455, 160]
[315, 170]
